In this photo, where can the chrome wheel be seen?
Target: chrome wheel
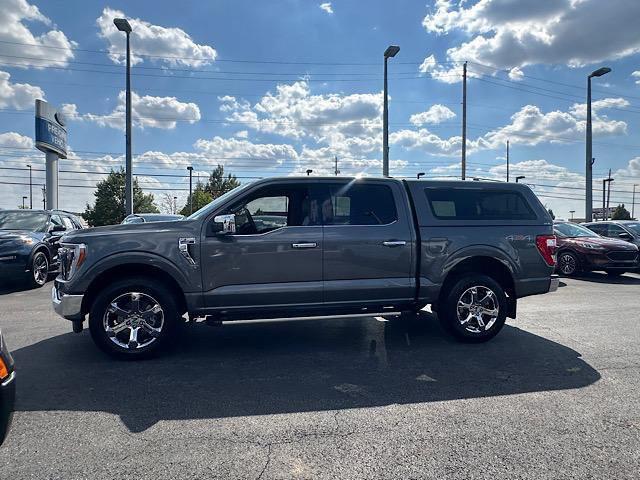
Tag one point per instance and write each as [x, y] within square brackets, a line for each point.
[478, 309]
[133, 320]
[568, 264]
[40, 268]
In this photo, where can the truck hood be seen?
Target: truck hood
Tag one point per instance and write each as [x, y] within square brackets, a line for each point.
[117, 232]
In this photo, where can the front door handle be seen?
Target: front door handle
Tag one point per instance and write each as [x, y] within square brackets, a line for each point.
[394, 243]
[304, 245]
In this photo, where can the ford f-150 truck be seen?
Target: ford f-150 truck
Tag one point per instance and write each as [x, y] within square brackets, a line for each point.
[300, 247]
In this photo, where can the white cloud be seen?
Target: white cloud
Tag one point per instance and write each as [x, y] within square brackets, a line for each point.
[17, 95]
[19, 42]
[427, 142]
[636, 74]
[436, 114]
[264, 155]
[15, 140]
[242, 134]
[327, 7]
[349, 124]
[516, 74]
[153, 40]
[147, 111]
[506, 34]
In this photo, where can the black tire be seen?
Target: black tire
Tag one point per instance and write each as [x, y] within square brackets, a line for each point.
[614, 273]
[568, 264]
[448, 312]
[159, 293]
[38, 270]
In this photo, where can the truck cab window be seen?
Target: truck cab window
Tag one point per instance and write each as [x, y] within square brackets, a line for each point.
[273, 208]
[359, 204]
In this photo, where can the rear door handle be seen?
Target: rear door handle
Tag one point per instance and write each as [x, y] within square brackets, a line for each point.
[394, 243]
[304, 245]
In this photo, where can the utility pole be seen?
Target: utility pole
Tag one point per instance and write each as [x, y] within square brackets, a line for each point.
[175, 205]
[44, 197]
[604, 188]
[337, 172]
[507, 161]
[572, 212]
[190, 168]
[609, 180]
[464, 120]
[633, 201]
[30, 188]
[24, 197]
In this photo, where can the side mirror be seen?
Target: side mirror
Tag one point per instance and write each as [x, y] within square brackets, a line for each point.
[224, 224]
[625, 236]
[57, 229]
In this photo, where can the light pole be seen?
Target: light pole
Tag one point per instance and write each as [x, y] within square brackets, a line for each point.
[123, 25]
[572, 212]
[24, 197]
[390, 52]
[30, 188]
[421, 174]
[175, 205]
[190, 168]
[588, 207]
[519, 177]
[633, 201]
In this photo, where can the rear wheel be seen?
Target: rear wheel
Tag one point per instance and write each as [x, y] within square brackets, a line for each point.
[568, 264]
[475, 309]
[133, 318]
[39, 273]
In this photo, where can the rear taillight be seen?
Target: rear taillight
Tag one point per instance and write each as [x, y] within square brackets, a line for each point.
[547, 247]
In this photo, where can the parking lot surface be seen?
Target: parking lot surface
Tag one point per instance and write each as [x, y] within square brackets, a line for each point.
[555, 395]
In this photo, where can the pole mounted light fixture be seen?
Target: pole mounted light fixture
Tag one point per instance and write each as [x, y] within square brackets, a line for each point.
[309, 172]
[421, 174]
[122, 24]
[588, 206]
[520, 177]
[391, 51]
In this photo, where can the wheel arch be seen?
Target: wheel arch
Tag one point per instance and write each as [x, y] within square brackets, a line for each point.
[125, 270]
[484, 265]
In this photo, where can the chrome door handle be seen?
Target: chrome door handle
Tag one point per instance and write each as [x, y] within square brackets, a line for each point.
[304, 245]
[394, 243]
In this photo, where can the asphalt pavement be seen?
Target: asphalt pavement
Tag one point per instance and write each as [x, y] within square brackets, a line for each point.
[555, 395]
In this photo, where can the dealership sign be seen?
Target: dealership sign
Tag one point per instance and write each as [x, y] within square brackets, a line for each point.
[51, 130]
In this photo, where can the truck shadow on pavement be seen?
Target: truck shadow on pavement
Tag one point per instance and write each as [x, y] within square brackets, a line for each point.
[270, 368]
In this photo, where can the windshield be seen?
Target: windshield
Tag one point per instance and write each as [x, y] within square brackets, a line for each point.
[573, 230]
[634, 227]
[204, 211]
[31, 221]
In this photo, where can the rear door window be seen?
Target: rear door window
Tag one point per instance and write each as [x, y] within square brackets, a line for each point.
[359, 204]
[476, 204]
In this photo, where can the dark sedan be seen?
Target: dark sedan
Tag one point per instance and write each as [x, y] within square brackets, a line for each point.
[580, 249]
[628, 230]
[29, 243]
[7, 389]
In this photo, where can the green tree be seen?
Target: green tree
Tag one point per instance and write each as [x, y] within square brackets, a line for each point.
[553, 216]
[200, 199]
[621, 213]
[108, 208]
[218, 184]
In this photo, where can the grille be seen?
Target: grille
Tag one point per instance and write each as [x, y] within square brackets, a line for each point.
[622, 256]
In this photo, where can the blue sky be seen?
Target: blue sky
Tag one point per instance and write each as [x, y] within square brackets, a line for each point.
[275, 88]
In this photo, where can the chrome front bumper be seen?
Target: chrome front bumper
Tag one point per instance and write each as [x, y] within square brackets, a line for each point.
[555, 283]
[67, 306]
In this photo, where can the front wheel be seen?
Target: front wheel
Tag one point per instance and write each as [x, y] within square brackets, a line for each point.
[133, 318]
[475, 309]
[39, 273]
[568, 264]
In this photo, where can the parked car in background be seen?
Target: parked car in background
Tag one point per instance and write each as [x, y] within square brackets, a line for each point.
[581, 249]
[291, 247]
[628, 230]
[7, 388]
[151, 217]
[29, 243]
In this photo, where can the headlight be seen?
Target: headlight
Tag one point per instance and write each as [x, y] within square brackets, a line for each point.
[71, 257]
[25, 240]
[591, 246]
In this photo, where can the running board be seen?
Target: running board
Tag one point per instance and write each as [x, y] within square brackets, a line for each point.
[376, 315]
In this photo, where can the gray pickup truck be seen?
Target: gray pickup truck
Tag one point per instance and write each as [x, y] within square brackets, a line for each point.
[302, 247]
